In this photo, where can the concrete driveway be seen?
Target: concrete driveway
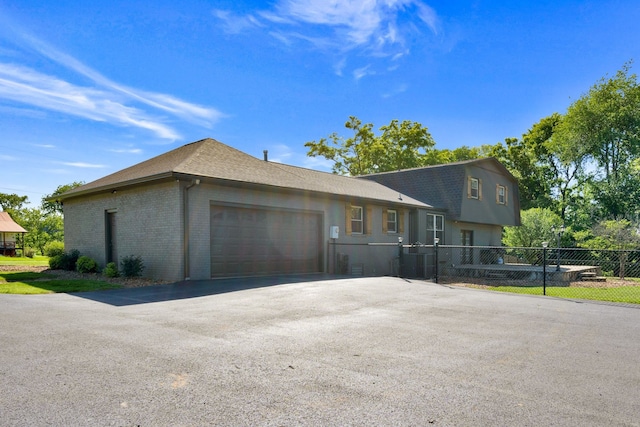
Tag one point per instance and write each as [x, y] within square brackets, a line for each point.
[360, 352]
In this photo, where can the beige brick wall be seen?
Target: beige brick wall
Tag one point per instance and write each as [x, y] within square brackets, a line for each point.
[148, 223]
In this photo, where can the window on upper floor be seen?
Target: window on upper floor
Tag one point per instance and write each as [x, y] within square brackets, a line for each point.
[474, 188]
[501, 194]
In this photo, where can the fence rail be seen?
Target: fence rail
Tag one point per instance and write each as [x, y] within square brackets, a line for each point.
[608, 275]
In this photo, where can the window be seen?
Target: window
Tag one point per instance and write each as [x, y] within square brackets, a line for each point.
[392, 221]
[357, 220]
[474, 191]
[501, 194]
[435, 228]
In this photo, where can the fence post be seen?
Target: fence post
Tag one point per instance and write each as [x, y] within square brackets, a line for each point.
[544, 268]
[435, 248]
[400, 253]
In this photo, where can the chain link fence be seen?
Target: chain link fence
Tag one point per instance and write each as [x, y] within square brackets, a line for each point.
[605, 275]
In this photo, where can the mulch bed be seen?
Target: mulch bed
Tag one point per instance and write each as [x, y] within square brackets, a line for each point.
[126, 282]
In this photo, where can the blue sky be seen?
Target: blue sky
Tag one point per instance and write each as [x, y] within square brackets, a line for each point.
[88, 88]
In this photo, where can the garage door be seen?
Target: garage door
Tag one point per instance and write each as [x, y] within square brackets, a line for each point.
[249, 242]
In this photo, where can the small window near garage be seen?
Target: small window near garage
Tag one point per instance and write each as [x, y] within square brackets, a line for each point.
[392, 221]
[357, 220]
[501, 194]
[474, 190]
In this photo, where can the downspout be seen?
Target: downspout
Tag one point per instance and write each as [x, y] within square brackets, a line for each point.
[185, 213]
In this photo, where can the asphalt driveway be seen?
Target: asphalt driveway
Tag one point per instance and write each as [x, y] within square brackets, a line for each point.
[365, 351]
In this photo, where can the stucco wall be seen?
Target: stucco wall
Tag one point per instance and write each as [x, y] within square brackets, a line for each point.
[148, 224]
[376, 261]
[486, 210]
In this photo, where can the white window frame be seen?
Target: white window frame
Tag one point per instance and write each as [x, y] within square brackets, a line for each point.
[433, 230]
[392, 224]
[475, 181]
[357, 220]
[501, 198]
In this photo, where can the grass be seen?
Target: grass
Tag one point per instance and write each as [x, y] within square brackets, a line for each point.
[30, 283]
[624, 294]
[36, 261]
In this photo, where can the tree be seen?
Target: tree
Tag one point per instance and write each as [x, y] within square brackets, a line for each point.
[604, 127]
[620, 235]
[12, 202]
[401, 145]
[537, 227]
[55, 207]
[41, 227]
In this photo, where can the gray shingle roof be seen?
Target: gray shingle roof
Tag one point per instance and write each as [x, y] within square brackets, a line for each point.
[443, 186]
[211, 159]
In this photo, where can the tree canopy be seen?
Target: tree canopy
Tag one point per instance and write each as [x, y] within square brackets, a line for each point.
[401, 145]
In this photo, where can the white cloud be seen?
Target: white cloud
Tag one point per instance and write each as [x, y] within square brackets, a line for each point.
[372, 25]
[127, 151]
[361, 72]
[104, 101]
[83, 165]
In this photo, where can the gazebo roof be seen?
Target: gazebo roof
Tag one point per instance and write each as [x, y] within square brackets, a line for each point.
[8, 225]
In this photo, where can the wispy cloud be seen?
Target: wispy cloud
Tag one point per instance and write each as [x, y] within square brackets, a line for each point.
[127, 151]
[83, 165]
[104, 100]
[375, 26]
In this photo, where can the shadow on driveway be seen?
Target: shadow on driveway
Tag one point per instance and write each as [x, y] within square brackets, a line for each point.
[193, 289]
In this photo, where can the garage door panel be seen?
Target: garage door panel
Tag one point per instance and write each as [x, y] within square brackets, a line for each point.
[254, 241]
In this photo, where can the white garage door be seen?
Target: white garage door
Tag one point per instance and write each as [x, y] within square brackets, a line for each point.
[249, 242]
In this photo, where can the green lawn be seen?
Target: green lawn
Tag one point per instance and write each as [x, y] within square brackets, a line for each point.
[21, 282]
[625, 294]
[36, 261]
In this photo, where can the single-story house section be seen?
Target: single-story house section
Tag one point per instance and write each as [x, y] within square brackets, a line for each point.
[476, 198]
[9, 231]
[207, 210]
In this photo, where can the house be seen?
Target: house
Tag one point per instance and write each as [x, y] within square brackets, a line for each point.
[208, 210]
[9, 231]
[474, 199]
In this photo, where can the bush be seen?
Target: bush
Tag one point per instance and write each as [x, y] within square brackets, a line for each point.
[86, 265]
[55, 262]
[64, 261]
[111, 270]
[132, 266]
[53, 248]
[29, 252]
[70, 259]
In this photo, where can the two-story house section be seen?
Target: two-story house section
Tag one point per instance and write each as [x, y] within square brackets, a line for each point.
[472, 200]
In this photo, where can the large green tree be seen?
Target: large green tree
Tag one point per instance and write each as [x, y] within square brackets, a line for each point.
[12, 202]
[603, 126]
[51, 207]
[400, 145]
[537, 227]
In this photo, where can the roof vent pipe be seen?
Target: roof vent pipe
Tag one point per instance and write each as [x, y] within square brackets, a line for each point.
[266, 155]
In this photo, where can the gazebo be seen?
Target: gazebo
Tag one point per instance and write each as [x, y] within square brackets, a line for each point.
[9, 231]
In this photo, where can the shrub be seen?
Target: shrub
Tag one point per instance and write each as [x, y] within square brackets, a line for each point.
[132, 266]
[86, 265]
[70, 259]
[53, 248]
[29, 252]
[111, 270]
[64, 261]
[55, 262]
